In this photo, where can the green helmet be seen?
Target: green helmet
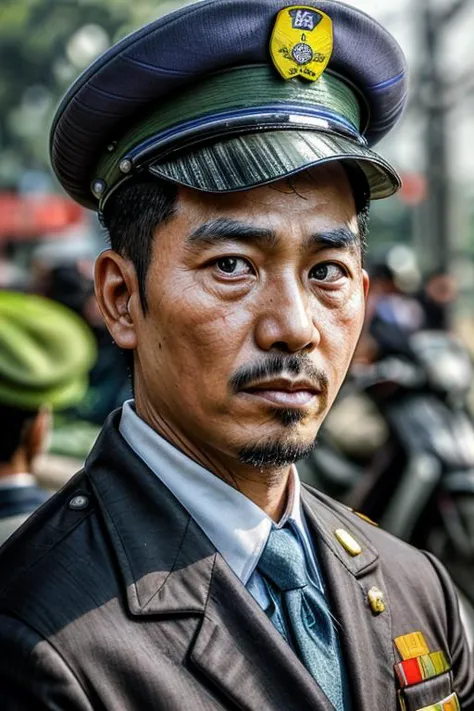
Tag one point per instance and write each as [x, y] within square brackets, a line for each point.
[46, 352]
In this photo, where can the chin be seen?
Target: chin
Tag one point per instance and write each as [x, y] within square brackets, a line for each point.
[277, 451]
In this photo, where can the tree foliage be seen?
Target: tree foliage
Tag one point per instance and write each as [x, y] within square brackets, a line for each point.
[44, 45]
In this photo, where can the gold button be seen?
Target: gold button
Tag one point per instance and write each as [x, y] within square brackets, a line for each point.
[376, 601]
[348, 542]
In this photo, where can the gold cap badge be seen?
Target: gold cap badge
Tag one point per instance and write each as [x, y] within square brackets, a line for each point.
[302, 42]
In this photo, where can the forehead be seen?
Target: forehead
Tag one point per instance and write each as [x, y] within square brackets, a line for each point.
[321, 198]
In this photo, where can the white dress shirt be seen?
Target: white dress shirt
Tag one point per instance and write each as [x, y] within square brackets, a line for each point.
[236, 526]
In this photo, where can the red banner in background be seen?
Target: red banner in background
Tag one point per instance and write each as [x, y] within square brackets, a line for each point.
[26, 217]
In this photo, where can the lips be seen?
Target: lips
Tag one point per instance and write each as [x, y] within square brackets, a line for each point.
[286, 393]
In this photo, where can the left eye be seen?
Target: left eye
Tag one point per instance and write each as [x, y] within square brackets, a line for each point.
[233, 266]
[327, 272]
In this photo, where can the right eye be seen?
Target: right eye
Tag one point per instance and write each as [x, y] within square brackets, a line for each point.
[233, 266]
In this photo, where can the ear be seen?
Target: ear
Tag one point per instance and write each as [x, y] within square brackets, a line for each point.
[366, 284]
[116, 288]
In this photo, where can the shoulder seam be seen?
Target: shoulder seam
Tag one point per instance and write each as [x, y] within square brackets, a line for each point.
[37, 560]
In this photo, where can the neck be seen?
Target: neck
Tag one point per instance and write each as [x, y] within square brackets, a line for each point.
[266, 487]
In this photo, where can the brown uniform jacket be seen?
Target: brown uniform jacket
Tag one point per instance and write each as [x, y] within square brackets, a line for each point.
[111, 597]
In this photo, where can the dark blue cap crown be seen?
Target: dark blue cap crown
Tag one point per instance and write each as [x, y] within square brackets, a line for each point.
[170, 56]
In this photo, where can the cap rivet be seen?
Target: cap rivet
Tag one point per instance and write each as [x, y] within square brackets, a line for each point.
[125, 165]
[112, 146]
[78, 503]
[98, 187]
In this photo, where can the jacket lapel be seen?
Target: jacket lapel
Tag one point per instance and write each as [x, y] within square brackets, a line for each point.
[169, 567]
[164, 559]
[366, 638]
[240, 651]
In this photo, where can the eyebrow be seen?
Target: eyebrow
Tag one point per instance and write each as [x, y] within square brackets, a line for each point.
[340, 238]
[225, 230]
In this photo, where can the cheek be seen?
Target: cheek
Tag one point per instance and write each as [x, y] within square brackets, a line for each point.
[341, 332]
[195, 331]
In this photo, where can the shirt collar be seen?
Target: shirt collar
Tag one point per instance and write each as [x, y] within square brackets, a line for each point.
[237, 527]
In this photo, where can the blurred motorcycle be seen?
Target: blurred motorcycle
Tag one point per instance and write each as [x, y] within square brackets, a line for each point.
[419, 484]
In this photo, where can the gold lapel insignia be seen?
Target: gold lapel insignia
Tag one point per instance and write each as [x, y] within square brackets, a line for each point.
[302, 42]
[412, 645]
[376, 601]
[348, 542]
[366, 519]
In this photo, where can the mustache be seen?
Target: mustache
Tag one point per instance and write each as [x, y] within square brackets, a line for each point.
[276, 365]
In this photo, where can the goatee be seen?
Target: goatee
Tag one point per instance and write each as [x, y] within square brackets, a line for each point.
[274, 454]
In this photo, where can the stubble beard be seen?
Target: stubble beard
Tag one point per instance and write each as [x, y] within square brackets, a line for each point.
[279, 451]
[284, 449]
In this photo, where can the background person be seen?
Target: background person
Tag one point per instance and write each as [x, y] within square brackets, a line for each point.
[437, 297]
[109, 380]
[45, 353]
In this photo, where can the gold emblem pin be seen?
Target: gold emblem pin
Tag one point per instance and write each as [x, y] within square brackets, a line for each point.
[302, 42]
[376, 601]
[348, 542]
[366, 519]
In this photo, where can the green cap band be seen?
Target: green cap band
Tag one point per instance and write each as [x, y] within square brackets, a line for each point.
[233, 92]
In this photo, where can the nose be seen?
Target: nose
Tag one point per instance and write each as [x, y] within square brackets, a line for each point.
[287, 319]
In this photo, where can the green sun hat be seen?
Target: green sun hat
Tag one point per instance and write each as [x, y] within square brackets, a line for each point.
[46, 352]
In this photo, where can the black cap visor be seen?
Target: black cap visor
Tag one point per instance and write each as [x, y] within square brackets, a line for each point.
[247, 161]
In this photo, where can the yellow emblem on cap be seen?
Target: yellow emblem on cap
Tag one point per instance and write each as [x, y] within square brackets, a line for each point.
[301, 42]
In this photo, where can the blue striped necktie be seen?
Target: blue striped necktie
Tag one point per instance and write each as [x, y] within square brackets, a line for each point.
[305, 610]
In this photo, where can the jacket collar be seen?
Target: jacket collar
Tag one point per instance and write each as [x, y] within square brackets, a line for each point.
[168, 566]
[328, 516]
[158, 546]
[366, 637]
[154, 573]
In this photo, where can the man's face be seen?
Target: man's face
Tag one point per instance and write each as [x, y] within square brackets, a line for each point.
[255, 306]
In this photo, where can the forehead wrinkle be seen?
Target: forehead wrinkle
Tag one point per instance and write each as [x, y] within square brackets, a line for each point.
[224, 229]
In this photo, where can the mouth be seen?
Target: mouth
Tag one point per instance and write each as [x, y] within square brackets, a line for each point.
[292, 394]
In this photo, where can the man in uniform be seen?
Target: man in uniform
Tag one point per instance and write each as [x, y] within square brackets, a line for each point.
[227, 147]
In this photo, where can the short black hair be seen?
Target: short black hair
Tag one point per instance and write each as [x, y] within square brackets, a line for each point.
[13, 422]
[361, 192]
[131, 215]
[134, 211]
